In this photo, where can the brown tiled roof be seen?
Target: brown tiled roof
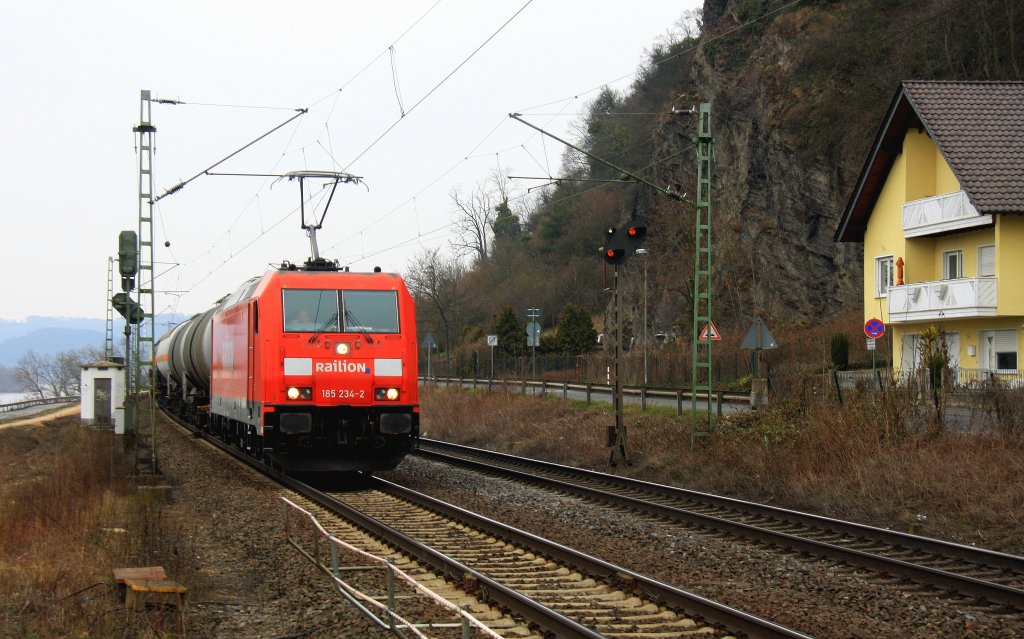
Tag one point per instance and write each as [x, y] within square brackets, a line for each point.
[978, 127]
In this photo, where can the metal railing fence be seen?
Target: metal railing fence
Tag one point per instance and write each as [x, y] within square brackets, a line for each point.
[28, 403]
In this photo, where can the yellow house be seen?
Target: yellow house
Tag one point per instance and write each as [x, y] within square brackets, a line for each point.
[939, 206]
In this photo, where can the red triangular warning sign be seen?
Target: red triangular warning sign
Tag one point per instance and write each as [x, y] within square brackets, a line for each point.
[710, 332]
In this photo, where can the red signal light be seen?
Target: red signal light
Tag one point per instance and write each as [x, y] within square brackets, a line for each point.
[614, 255]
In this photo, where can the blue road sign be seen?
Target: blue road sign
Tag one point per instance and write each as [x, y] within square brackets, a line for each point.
[874, 328]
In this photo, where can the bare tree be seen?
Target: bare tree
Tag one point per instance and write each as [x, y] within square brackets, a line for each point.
[436, 283]
[58, 375]
[474, 215]
[476, 212]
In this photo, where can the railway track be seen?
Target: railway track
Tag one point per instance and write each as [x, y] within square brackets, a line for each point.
[553, 589]
[991, 578]
[564, 591]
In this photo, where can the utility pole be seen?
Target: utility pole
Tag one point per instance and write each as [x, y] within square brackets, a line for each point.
[108, 341]
[643, 252]
[701, 381]
[144, 334]
[618, 441]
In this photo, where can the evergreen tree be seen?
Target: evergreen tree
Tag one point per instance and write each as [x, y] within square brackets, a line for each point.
[511, 333]
[576, 334]
[506, 225]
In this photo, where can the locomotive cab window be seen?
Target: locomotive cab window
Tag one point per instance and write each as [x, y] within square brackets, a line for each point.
[370, 311]
[310, 310]
[360, 311]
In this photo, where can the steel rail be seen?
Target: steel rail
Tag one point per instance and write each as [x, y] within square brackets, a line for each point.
[963, 584]
[534, 612]
[544, 617]
[714, 613]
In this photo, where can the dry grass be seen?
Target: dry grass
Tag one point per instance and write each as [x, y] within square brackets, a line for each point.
[68, 517]
[879, 462]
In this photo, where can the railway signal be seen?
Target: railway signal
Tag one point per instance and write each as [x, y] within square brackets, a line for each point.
[635, 235]
[614, 255]
[128, 259]
[620, 243]
[623, 242]
[129, 309]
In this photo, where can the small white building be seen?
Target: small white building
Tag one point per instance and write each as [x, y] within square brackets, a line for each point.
[103, 394]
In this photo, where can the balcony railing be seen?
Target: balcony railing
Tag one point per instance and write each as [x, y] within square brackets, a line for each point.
[944, 299]
[941, 214]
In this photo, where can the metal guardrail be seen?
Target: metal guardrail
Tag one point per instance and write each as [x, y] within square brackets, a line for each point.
[29, 403]
[643, 393]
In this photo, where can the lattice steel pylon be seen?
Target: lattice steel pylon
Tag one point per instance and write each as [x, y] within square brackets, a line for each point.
[108, 342]
[702, 285]
[145, 370]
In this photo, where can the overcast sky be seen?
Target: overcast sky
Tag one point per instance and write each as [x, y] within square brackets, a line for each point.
[73, 72]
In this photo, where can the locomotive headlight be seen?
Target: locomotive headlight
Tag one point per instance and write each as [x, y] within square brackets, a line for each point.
[342, 348]
[293, 393]
[299, 392]
[388, 394]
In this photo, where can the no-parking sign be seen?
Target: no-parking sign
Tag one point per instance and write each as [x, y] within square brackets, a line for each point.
[874, 328]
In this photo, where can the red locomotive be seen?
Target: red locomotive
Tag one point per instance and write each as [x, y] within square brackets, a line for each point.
[309, 368]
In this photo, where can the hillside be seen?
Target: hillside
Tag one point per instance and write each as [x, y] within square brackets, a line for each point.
[52, 335]
[798, 90]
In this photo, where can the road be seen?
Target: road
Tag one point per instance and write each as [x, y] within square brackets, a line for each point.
[732, 402]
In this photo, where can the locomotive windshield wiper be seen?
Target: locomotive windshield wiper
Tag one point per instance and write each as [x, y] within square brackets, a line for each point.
[323, 327]
[351, 321]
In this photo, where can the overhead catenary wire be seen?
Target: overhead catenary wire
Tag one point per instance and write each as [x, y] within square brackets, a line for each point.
[419, 102]
[438, 85]
[468, 156]
[394, 79]
[378, 57]
[333, 93]
[181, 185]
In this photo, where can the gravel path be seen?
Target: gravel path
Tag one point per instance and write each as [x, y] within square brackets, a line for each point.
[249, 583]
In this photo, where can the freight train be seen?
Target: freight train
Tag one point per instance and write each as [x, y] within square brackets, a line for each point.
[309, 368]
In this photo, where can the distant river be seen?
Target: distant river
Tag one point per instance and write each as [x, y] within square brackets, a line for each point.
[10, 398]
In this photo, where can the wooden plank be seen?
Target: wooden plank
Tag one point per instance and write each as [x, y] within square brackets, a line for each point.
[140, 592]
[148, 572]
[155, 585]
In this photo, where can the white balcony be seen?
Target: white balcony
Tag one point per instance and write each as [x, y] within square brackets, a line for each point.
[944, 299]
[941, 214]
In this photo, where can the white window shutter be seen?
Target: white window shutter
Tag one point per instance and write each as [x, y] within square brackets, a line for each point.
[1006, 341]
[987, 261]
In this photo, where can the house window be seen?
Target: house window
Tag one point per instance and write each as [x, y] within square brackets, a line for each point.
[987, 260]
[883, 275]
[952, 265]
[999, 350]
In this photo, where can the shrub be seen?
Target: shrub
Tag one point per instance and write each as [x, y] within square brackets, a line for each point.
[840, 351]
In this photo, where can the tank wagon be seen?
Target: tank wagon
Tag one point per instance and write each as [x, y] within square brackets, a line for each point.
[308, 368]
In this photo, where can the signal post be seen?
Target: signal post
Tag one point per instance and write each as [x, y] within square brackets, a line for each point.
[131, 311]
[619, 245]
